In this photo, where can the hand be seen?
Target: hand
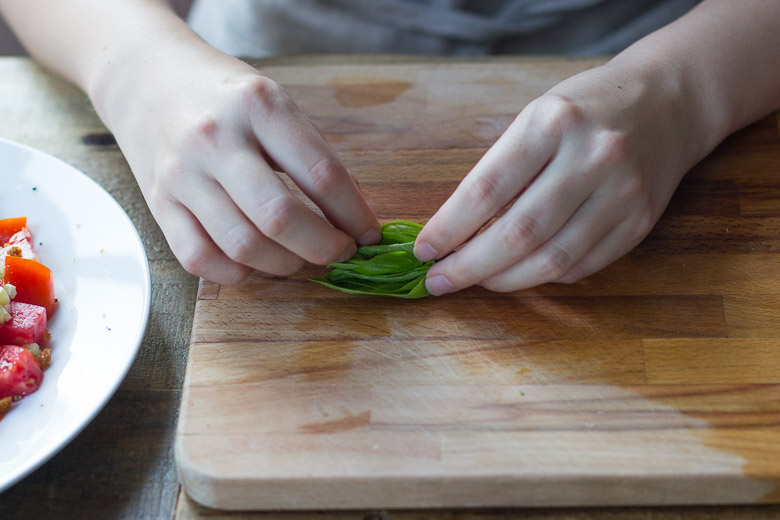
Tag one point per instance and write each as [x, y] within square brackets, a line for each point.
[204, 134]
[584, 172]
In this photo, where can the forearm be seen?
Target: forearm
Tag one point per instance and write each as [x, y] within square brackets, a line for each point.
[202, 132]
[723, 56]
[97, 44]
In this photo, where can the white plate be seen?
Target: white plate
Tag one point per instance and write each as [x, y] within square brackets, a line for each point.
[101, 279]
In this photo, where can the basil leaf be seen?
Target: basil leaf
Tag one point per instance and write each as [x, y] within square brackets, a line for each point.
[417, 291]
[389, 269]
[399, 232]
[388, 263]
[339, 275]
[370, 251]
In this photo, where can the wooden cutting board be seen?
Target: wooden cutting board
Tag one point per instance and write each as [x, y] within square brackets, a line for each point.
[655, 381]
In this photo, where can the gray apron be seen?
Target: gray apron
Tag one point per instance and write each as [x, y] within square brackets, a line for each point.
[438, 27]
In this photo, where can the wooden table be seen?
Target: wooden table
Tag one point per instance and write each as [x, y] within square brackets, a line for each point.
[121, 465]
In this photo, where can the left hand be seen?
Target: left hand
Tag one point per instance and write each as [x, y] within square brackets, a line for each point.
[584, 173]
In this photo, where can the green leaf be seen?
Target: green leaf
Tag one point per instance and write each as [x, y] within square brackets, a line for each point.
[388, 263]
[415, 289]
[370, 251]
[399, 232]
[389, 269]
[340, 275]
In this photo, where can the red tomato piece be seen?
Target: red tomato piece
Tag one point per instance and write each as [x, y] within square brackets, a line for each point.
[33, 281]
[27, 325]
[11, 226]
[20, 374]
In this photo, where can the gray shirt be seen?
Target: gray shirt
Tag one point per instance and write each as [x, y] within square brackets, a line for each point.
[448, 27]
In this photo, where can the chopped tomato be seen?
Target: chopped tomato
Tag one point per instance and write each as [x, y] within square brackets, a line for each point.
[21, 371]
[20, 374]
[11, 226]
[20, 244]
[27, 325]
[33, 281]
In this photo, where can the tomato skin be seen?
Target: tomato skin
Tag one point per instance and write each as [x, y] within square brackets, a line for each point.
[33, 280]
[20, 374]
[27, 325]
[11, 226]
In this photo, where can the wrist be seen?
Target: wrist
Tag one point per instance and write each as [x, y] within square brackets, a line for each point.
[128, 69]
[723, 55]
[679, 96]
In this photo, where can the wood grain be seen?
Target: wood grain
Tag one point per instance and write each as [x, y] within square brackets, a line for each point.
[121, 465]
[651, 382]
[476, 317]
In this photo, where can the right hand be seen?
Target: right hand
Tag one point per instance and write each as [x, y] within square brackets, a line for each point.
[204, 133]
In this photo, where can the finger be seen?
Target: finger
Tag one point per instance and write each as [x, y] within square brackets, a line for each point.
[543, 209]
[294, 143]
[507, 167]
[193, 248]
[277, 213]
[354, 179]
[235, 235]
[614, 245]
[557, 257]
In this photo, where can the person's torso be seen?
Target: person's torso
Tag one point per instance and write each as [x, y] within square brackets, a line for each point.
[454, 27]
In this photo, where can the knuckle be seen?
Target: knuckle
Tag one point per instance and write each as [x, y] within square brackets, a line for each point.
[277, 216]
[460, 275]
[240, 245]
[554, 263]
[204, 131]
[193, 260]
[631, 187]
[324, 177]
[482, 191]
[263, 94]
[170, 174]
[611, 148]
[645, 223]
[157, 198]
[556, 114]
[520, 233]
[172, 181]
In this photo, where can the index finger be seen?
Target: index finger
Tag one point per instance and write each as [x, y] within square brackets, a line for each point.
[507, 167]
[276, 212]
[294, 143]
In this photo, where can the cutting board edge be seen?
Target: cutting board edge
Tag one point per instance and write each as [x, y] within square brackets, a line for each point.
[437, 490]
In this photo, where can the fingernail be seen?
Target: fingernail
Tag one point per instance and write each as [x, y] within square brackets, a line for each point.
[424, 251]
[372, 236]
[348, 253]
[438, 285]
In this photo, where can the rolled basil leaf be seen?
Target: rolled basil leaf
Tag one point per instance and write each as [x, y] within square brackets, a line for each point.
[388, 269]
